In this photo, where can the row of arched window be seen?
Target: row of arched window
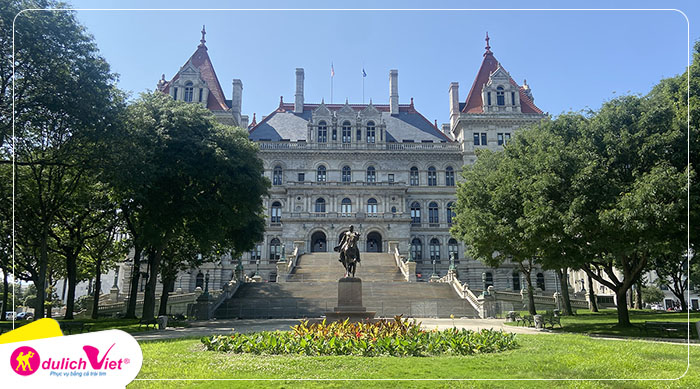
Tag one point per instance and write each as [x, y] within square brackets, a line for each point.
[433, 213]
[346, 133]
[433, 250]
[371, 175]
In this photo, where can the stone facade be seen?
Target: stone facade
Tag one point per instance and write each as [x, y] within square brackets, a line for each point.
[383, 168]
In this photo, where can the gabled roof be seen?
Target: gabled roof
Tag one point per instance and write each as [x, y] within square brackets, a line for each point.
[200, 60]
[475, 104]
[408, 125]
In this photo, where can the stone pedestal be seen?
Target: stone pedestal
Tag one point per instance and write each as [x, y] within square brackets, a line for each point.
[350, 302]
[202, 307]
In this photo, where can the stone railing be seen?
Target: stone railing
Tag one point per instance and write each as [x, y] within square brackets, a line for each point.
[291, 145]
[228, 292]
[177, 303]
[408, 269]
[547, 301]
[463, 291]
[287, 265]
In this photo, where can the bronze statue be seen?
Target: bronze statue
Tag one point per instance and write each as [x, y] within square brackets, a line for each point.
[349, 252]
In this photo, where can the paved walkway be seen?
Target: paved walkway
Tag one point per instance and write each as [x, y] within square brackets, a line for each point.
[205, 328]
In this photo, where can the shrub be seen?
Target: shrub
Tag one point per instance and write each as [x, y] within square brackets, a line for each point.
[394, 338]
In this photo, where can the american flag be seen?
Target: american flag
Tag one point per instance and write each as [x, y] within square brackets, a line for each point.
[332, 70]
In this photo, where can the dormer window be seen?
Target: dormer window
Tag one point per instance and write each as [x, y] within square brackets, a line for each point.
[189, 91]
[322, 132]
[500, 96]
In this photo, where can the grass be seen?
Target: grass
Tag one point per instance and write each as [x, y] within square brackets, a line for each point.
[539, 356]
[605, 323]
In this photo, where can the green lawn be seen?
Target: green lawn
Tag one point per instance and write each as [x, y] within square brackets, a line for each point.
[605, 322]
[127, 325]
[539, 356]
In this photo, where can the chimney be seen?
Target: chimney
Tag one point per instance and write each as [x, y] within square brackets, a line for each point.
[299, 95]
[394, 91]
[236, 101]
[454, 103]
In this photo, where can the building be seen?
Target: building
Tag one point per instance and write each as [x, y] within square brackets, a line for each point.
[383, 168]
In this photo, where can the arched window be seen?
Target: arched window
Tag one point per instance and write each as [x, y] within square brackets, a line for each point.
[372, 206]
[201, 93]
[449, 176]
[417, 250]
[320, 205]
[370, 132]
[346, 207]
[277, 175]
[414, 179]
[450, 212]
[489, 279]
[433, 217]
[346, 132]
[322, 132]
[432, 176]
[346, 174]
[435, 250]
[415, 212]
[275, 250]
[500, 96]
[516, 281]
[321, 174]
[393, 209]
[189, 91]
[371, 174]
[174, 93]
[276, 212]
[453, 249]
[199, 280]
[540, 281]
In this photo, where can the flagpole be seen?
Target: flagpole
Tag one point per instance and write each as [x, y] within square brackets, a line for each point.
[332, 75]
[363, 88]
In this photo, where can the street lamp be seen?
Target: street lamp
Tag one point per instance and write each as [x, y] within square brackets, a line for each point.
[257, 266]
[206, 283]
[434, 269]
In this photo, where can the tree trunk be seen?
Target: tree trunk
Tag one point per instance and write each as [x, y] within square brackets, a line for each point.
[591, 295]
[71, 270]
[5, 294]
[98, 288]
[530, 294]
[623, 317]
[40, 282]
[149, 295]
[168, 286]
[134, 284]
[564, 285]
[639, 304]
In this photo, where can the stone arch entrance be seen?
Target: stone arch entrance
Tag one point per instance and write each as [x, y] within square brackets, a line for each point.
[318, 242]
[374, 242]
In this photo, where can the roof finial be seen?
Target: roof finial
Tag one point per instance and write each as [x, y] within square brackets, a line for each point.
[411, 102]
[281, 101]
[488, 47]
[204, 32]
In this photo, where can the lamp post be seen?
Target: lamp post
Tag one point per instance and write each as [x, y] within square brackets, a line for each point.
[206, 283]
[434, 269]
[483, 281]
[452, 261]
[257, 266]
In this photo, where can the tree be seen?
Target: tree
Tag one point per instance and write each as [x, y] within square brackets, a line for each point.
[188, 175]
[103, 251]
[65, 102]
[652, 294]
[489, 208]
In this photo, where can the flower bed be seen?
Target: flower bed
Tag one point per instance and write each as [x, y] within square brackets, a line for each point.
[395, 338]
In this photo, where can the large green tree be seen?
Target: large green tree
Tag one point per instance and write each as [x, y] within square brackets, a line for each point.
[188, 175]
[65, 104]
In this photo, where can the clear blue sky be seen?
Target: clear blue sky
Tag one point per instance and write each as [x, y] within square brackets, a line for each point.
[571, 59]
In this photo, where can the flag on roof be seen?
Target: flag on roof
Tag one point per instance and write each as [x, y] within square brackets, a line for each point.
[332, 70]
[364, 74]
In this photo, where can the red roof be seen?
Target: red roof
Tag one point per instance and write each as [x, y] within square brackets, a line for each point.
[200, 59]
[474, 102]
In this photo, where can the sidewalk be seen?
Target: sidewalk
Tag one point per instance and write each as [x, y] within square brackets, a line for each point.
[205, 328]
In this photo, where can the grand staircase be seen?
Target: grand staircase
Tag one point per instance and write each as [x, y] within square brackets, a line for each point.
[312, 289]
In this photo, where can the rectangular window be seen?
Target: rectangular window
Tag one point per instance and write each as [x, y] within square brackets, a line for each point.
[359, 135]
[390, 177]
[500, 139]
[201, 93]
[300, 177]
[483, 139]
[488, 97]
[507, 138]
[175, 94]
[512, 98]
[476, 139]
[335, 134]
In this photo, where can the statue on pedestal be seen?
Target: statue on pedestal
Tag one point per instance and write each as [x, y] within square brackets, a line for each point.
[349, 252]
